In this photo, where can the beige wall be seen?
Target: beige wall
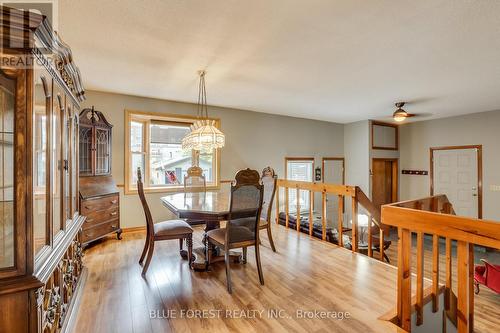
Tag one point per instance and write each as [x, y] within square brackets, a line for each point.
[357, 154]
[253, 140]
[474, 129]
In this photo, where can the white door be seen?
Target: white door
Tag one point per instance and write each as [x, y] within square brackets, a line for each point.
[456, 175]
[333, 174]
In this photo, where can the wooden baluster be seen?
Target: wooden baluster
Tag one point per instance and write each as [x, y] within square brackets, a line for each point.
[381, 243]
[354, 241]
[287, 212]
[463, 320]
[470, 266]
[369, 232]
[311, 218]
[404, 279]
[297, 220]
[447, 293]
[419, 306]
[277, 205]
[435, 273]
[323, 221]
[341, 221]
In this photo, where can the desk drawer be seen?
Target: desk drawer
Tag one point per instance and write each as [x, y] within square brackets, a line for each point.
[92, 205]
[101, 216]
[100, 230]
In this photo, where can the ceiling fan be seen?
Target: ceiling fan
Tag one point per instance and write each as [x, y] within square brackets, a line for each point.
[400, 115]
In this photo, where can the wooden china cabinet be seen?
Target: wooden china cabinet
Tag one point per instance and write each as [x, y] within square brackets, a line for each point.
[41, 270]
[99, 196]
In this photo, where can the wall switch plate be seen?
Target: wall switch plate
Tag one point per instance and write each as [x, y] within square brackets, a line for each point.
[495, 188]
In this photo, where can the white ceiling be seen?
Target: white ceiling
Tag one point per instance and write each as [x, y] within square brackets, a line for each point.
[334, 60]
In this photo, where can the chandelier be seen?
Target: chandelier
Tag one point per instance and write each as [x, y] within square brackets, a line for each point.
[204, 135]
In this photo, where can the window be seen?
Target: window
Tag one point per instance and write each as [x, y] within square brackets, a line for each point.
[384, 136]
[154, 144]
[301, 169]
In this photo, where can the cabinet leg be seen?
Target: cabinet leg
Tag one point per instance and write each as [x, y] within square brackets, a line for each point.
[119, 234]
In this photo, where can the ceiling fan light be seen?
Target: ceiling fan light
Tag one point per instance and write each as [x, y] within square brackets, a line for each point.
[399, 115]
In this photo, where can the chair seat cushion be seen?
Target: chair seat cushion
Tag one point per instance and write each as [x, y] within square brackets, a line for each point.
[172, 228]
[238, 234]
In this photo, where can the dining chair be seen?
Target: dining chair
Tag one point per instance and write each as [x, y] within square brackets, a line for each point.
[269, 180]
[165, 230]
[194, 180]
[242, 226]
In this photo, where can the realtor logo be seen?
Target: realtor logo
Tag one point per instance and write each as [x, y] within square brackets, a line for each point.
[47, 8]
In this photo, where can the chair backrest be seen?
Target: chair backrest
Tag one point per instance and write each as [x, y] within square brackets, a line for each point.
[245, 207]
[269, 180]
[147, 212]
[195, 180]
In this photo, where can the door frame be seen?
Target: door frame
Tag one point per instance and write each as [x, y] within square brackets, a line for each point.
[395, 175]
[324, 159]
[479, 149]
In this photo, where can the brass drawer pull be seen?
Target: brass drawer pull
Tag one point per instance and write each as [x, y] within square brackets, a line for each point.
[114, 201]
[90, 220]
[88, 207]
[113, 213]
[113, 226]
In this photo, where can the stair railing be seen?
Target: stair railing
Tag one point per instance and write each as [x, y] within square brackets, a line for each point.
[435, 216]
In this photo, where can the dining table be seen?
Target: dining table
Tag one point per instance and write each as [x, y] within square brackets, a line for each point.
[212, 207]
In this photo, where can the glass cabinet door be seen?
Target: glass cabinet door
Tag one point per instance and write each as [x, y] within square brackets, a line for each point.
[41, 113]
[103, 144]
[86, 149]
[74, 162]
[56, 160]
[7, 217]
[66, 163]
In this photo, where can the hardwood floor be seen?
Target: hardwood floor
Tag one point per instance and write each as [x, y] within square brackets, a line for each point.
[305, 274]
[486, 303]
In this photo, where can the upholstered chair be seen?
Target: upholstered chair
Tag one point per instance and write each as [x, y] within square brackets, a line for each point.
[165, 230]
[242, 227]
[194, 181]
[269, 180]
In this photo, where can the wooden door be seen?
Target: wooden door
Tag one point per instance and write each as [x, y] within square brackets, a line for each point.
[384, 181]
[456, 174]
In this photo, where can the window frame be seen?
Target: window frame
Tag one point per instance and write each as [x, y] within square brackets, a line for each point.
[300, 159]
[146, 118]
[382, 124]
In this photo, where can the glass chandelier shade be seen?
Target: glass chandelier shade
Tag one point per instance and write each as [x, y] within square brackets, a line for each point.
[204, 135]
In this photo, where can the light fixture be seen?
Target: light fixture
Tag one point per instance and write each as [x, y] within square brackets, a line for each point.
[204, 135]
[400, 115]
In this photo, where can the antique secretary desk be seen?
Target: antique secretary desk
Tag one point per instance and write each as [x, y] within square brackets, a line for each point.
[41, 269]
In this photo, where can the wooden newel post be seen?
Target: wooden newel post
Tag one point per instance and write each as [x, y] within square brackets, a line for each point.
[404, 279]
[465, 296]
[354, 204]
[341, 221]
